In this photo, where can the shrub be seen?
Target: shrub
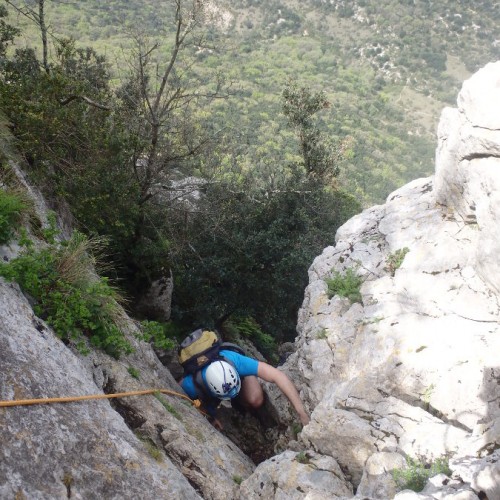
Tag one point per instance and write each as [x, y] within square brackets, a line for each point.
[157, 333]
[415, 476]
[345, 285]
[12, 207]
[250, 329]
[68, 294]
[322, 334]
[152, 448]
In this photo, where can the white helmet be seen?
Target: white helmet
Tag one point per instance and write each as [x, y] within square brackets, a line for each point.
[222, 380]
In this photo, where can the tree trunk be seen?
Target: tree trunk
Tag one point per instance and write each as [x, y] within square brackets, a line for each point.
[43, 29]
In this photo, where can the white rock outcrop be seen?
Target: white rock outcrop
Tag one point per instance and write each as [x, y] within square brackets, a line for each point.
[414, 370]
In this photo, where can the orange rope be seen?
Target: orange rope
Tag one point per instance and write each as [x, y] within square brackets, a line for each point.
[70, 399]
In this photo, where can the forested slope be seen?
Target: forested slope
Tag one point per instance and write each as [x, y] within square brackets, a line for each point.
[388, 68]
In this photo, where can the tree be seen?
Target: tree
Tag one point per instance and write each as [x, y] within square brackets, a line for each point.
[113, 157]
[7, 32]
[161, 102]
[321, 156]
[163, 93]
[249, 248]
[39, 19]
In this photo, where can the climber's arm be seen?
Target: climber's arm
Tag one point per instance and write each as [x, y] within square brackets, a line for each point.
[271, 374]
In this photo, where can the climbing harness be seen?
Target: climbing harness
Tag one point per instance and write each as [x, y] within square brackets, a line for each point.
[70, 399]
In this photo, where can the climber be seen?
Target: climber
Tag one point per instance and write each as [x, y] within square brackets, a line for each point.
[234, 377]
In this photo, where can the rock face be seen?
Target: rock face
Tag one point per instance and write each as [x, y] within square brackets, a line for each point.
[135, 447]
[294, 476]
[69, 450]
[156, 302]
[414, 369]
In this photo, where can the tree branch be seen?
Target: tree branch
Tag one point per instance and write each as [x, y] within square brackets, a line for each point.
[71, 98]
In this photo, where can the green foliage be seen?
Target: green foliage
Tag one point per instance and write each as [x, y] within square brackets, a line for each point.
[49, 233]
[415, 476]
[249, 328]
[12, 206]
[157, 334]
[251, 259]
[320, 155]
[322, 334]
[7, 32]
[426, 396]
[394, 260]
[368, 54]
[296, 429]
[302, 458]
[347, 285]
[67, 294]
[134, 372]
[153, 450]
[237, 479]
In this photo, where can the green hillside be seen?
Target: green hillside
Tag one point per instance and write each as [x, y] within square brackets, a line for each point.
[387, 67]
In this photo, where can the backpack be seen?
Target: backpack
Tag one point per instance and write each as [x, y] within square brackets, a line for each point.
[199, 349]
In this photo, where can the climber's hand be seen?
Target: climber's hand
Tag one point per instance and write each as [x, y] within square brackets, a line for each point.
[304, 418]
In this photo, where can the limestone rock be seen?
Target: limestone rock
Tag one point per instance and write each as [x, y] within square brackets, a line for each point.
[157, 301]
[413, 369]
[76, 449]
[295, 476]
[377, 480]
[141, 447]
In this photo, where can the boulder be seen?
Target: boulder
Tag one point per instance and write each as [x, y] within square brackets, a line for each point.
[294, 476]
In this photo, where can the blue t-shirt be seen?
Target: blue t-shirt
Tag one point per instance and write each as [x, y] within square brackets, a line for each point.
[243, 364]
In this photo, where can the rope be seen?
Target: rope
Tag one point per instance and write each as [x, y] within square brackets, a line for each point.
[70, 399]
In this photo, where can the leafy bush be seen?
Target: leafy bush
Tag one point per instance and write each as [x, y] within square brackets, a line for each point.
[416, 475]
[249, 328]
[345, 285]
[68, 295]
[157, 333]
[12, 207]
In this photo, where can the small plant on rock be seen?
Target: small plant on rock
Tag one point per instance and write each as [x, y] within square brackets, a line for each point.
[394, 260]
[302, 458]
[134, 372]
[322, 334]
[69, 295]
[345, 285]
[167, 406]
[296, 429]
[416, 475]
[12, 207]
